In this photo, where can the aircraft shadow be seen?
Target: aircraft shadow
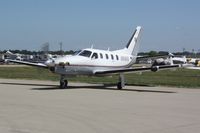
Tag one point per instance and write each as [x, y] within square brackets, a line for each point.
[99, 87]
[104, 87]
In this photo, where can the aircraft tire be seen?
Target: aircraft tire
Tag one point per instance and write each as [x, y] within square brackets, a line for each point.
[119, 85]
[63, 84]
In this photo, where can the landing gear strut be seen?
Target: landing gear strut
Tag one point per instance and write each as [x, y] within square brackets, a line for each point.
[63, 82]
[121, 82]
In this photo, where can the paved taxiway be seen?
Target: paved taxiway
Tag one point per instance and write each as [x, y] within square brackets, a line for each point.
[39, 107]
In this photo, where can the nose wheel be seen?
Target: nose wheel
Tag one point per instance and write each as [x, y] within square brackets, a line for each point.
[63, 82]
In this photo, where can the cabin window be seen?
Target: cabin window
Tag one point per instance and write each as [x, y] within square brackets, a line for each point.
[117, 57]
[107, 56]
[101, 55]
[95, 56]
[85, 53]
[112, 57]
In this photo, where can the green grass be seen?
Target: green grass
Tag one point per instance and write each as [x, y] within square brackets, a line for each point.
[177, 78]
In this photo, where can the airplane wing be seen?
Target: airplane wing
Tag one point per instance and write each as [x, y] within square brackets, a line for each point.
[126, 70]
[28, 63]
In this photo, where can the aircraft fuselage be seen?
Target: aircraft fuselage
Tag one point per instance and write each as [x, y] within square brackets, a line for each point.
[96, 60]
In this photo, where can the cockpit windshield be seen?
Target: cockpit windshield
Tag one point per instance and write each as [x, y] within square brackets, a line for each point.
[85, 53]
[77, 52]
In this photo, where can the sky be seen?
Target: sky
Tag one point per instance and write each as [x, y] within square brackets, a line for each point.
[168, 25]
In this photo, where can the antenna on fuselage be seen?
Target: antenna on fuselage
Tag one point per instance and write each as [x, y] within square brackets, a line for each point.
[108, 49]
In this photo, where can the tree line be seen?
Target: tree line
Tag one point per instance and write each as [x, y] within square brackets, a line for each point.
[150, 53]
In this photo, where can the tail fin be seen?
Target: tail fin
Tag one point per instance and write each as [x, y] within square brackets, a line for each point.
[132, 46]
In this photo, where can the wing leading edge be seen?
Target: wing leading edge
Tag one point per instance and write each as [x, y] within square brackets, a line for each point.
[126, 70]
[28, 63]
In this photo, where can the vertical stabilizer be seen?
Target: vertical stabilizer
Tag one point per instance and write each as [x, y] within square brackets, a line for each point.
[132, 46]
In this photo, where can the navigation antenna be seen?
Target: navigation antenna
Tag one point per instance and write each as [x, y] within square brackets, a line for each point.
[61, 51]
[92, 46]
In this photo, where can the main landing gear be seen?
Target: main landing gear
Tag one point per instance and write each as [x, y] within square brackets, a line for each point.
[63, 82]
[121, 82]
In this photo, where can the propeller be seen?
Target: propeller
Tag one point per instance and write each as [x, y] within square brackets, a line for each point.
[52, 63]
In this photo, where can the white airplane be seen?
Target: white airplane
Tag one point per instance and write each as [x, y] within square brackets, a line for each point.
[171, 60]
[13, 56]
[94, 62]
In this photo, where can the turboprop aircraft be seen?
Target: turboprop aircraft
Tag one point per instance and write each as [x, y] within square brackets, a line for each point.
[95, 62]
